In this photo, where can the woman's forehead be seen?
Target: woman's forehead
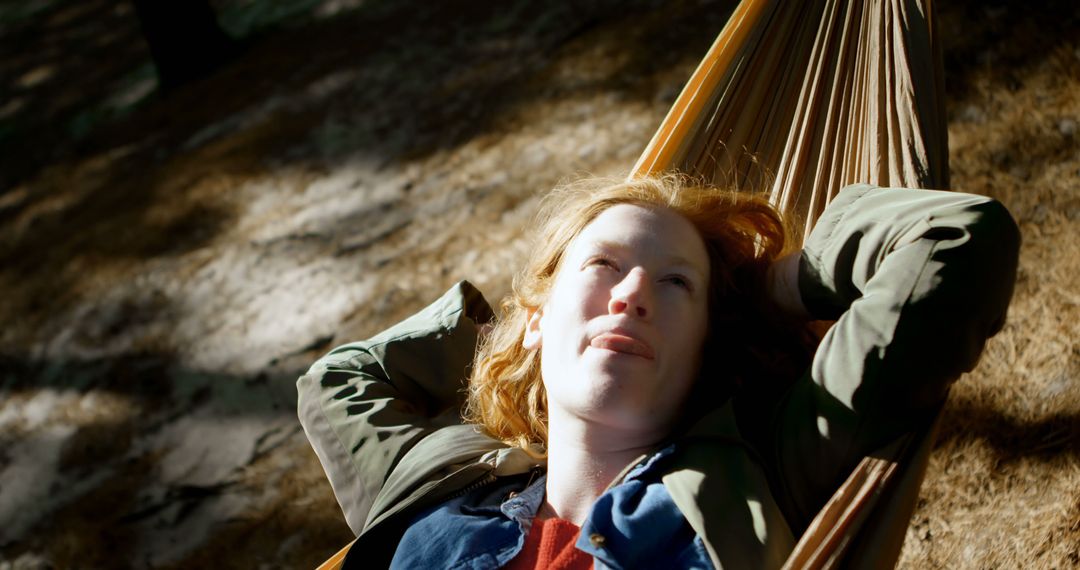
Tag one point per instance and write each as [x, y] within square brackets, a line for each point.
[658, 232]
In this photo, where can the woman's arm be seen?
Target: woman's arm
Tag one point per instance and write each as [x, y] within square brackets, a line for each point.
[916, 280]
[365, 404]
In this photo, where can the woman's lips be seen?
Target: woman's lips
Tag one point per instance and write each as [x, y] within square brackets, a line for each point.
[621, 343]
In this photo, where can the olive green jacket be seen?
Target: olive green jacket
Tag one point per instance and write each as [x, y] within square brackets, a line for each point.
[916, 280]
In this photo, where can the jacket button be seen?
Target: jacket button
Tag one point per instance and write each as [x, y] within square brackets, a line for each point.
[596, 539]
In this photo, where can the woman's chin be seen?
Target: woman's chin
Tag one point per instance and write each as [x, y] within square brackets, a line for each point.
[615, 401]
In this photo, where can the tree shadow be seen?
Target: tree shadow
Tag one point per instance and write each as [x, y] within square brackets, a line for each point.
[448, 70]
[391, 82]
[123, 482]
[394, 82]
[1008, 38]
[444, 72]
[67, 66]
[1011, 439]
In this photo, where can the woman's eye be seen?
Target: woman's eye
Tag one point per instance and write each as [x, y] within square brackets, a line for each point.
[680, 281]
[600, 262]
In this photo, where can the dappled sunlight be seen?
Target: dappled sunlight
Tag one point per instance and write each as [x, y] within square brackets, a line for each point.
[29, 479]
[42, 439]
[240, 312]
[35, 76]
[170, 264]
[1001, 486]
[65, 445]
[11, 107]
[27, 411]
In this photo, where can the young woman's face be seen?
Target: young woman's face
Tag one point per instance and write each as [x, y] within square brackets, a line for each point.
[622, 329]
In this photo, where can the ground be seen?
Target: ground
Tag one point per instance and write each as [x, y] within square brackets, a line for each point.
[171, 262]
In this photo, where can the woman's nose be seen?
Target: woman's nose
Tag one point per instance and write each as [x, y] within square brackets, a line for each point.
[632, 295]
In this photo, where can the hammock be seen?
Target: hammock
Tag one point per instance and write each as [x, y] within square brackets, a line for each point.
[820, 93]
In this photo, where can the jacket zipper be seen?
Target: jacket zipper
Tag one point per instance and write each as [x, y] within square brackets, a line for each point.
[485, 480]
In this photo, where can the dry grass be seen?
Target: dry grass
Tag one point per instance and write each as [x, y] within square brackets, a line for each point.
[1003, 487]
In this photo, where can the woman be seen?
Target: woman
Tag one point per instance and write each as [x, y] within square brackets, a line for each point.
[639, 384]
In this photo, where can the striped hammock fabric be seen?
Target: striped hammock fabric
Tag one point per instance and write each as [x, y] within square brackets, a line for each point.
[801, 97]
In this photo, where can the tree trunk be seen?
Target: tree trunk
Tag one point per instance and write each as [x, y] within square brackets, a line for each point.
[184, 39]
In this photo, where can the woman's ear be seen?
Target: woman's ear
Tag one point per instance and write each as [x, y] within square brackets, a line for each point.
[533, 334]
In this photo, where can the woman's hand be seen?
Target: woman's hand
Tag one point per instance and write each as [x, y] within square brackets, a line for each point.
[782, 283]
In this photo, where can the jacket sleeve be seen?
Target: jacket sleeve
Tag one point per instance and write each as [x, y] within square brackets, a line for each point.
[365, 404]
[916, 280]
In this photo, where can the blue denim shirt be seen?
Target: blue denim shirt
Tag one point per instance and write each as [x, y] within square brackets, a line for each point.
[634, 524]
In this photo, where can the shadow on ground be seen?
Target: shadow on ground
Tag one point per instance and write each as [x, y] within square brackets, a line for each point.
[101, 177]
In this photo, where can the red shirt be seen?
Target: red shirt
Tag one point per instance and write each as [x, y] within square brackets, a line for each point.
[550, 546]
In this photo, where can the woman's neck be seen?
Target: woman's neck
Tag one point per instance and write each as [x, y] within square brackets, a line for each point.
[583, 459]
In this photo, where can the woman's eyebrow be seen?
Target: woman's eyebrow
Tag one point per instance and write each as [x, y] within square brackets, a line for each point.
[599, 244]
[668, 259]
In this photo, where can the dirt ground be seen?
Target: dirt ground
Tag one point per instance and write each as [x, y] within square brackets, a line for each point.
[170, 263]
